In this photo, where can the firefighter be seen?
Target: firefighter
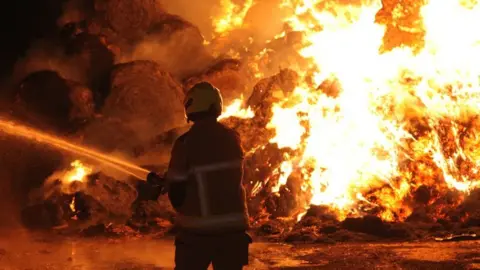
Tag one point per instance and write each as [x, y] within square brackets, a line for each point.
[205, 188]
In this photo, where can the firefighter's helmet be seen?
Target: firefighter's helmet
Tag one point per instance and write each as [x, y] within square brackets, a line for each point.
[203, 97]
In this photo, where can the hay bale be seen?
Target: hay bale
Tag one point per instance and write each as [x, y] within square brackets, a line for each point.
[271, 90]
[47, 100]
[146, 98]
[110, 135]
[265, 93]
[324, 213]
[109, 198]
[271, 227]
[83, 107]
[94, 56]
[328, 229]
[309, 221]
[97, 25]
[42, 216]
[228, 76]
[131, 18]
[148, 211]
[176, 45]
[370, 225]
[303, 235]
[420, 214]
[282, 204]
[422, 195]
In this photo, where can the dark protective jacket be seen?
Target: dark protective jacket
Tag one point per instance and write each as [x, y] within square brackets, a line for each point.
[205, 180]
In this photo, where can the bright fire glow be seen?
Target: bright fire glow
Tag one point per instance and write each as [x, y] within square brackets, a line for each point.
[230, 15]
[78, 172]
[361, 139]
[236, 109]
[404, 114]
[72, 204]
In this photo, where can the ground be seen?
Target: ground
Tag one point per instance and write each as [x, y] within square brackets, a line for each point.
[21, 250]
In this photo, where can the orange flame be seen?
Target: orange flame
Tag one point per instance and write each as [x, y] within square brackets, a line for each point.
[237, 110]
[230, 15]
[360, 140]
[78, 172]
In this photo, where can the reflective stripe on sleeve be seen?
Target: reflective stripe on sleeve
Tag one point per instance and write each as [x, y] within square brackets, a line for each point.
[202, 195]
[218, 166]
[217, 221]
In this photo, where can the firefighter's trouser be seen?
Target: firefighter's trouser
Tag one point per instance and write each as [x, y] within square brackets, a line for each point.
[224, 252]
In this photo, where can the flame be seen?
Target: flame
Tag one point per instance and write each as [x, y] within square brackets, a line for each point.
[78, 172]
[72, 205]
[230, 15]
[236, 110]
[403, 114]
[286, 168]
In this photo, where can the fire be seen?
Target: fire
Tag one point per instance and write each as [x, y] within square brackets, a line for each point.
[78, 172]
[236, 109]
[402, 117]
[230, 15]
[72, 205]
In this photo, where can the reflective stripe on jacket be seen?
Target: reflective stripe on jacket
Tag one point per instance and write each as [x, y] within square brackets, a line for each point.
[208, 160]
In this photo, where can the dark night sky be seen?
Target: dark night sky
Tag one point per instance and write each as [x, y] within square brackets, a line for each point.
[21, 22]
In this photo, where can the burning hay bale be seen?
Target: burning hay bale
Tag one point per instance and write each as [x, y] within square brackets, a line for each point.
[227, 76]
[45, 97]
[322, 213]
[422, 195]
[115, 196]
[270, 90]
[77, 194]
[145, 97]
[282, 52]
[175, 44]
[265, 93]
[369, 225]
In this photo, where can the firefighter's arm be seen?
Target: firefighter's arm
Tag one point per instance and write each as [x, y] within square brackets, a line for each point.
[177, 174]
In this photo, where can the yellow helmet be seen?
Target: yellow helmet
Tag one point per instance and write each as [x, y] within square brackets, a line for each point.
[203, 97]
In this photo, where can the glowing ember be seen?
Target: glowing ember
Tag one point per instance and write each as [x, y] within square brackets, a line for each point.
[236, 110]
[78, 172]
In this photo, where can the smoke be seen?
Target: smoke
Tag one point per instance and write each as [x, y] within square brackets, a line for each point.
[198, 13]
[49, 55]
[175, 44]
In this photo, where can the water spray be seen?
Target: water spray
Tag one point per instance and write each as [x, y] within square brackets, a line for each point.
[14, 129]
